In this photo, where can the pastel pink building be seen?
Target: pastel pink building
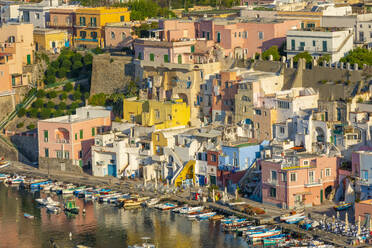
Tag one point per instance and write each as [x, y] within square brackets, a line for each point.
[68, 139]
[119, 34]
[298, 180]
[173, 30]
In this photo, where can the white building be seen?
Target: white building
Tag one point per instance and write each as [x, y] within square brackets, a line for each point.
[37, 14]
[9, 11]
[336, 42]
[114, 154]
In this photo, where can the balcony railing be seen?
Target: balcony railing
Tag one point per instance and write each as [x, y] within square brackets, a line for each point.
[62, 141]
[59, 25]
[89, 40]
[314, 183]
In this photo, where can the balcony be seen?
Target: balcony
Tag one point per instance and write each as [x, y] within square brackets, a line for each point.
[62, 141]
[59, 25]
[273, 182]
[315, 183]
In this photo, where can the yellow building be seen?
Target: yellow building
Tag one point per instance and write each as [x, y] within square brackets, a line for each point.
[90, 22]
[162, 115]
[308, 19]
[50, 40]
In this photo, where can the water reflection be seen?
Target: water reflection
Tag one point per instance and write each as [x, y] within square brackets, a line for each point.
[101, 226]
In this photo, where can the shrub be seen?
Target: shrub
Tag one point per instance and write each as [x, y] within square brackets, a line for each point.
[98, 99]
[50, 79]
[33, 112]
[77, 95]
[63, 96]
[45, 113]
[21, 112]
[31, 126]
[50, 104]
[62, 72]
[38, 103]
[73, 105]
[58, 112]
[62, 106]
[52, 94]
[68, 87]
[20, 125]
[40, 93]
[86, 95]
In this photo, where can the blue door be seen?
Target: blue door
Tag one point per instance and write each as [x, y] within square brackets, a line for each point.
[112, 170]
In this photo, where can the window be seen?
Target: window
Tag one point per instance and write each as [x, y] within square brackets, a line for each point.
[314, 43]
[370, 34]
[302, 46]
[123, 36]
[328, 172]
[274, 176]
[260, 35]
[157, 136]
[157, 114]
[68, 20]
[37, 16]
[281, 130]
[152, 57]
[324, 46]
[82, 21]
[93, 21]
[364, 174]
[257, 111]
[122, 18]
[203, 34]
[214, 158]
[321, 174]
[235, 35]
[218, 37]
[81, 134]
[83, 34]
[273, 192]
[240, 34]
[166, 58]
[93, 131]
[208, 38]
[293, 177]
[245, 35]
[46, 151]
[311, 177]
[283, 105]
[258, 125]
[46, 135]
[139, 55]
[55, 20]
[306, 162]
[284, 177]
[93, 35]
[192, 48]
[67, 155]
[59, 154]
[112, 35]
[293, 45]
[80, 154]
[169, 117]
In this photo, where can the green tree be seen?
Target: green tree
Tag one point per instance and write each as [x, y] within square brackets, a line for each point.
[77, 95]
[68, 87]
[33, 112]
[271, 51]
[324, 58]
[131, 89]
[63, 96]
[62, 106]
[31, 126]
[303, 55]
[58, 113]
[358, 56]
[73, 105]
[50, 79]
[62, 72]
[98, 99]
[40, 93]
[45, 113]
[50, 104]
[21, 112]
[38, 103]
[20, 125]
[52, 94]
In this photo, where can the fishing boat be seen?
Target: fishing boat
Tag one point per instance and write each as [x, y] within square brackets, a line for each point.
[260, 235]
[4, 164]
[205, 216]
[291, 215]
[217, 217]
[131, 204]
[28, 216]
[274, 240]
[152, 202]
[342, 206]
[47, 201]
[295, 220]
[189, 210]
[3, 177]
[70, 206]
[166, 206]
[53, 209]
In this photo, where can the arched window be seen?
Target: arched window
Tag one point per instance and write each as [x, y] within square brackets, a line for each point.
[11, 39]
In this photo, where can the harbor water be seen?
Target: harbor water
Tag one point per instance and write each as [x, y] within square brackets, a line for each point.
[103, 225]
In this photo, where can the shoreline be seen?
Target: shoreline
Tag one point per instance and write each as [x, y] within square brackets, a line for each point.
[129, 186]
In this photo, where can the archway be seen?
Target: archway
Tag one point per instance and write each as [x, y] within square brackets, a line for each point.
[328, 191]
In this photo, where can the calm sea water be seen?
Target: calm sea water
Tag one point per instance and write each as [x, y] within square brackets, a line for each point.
[102, 226]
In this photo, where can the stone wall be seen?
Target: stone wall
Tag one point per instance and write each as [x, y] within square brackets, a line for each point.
[55, 164]
[27, 145]
[8, 152]
[110, 73]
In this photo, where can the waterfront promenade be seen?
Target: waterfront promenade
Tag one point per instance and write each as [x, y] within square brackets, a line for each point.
[133, 186]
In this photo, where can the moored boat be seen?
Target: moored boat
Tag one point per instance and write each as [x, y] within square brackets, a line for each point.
[28, 216]
[343, 206]
[70, 206]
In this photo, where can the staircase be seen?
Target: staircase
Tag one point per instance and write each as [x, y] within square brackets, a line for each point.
[251, 181]
[186, 172]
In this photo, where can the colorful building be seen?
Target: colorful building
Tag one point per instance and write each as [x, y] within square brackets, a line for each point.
[120, 34]
[65, 142]
[161, 114]
[50, 40]
[63, 18]
[17, 50]
[90, 22]
[298, 180]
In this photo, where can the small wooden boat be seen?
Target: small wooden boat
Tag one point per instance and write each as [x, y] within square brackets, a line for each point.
[217, 217]
[70, 206]
[28, 216]
[343, 206]
[205, 216]
[295, 220]
[291, 215]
